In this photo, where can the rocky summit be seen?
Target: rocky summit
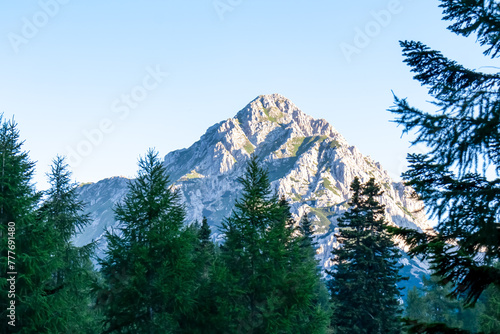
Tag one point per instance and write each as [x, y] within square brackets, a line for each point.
[309, 163]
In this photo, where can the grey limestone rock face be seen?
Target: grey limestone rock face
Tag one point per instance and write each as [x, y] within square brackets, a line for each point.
[308, 161]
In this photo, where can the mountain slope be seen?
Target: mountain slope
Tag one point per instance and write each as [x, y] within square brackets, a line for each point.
[309, 163]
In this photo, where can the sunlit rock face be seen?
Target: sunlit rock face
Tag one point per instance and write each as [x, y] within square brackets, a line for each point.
[308, 161]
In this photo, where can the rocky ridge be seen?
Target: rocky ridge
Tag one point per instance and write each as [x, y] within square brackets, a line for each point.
[309, 163]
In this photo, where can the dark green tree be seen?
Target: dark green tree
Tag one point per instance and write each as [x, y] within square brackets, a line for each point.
[263, 294]
[414, 306]
[314, 309]
[204, 251]
[307, 233]
[149, 270]
[243, 253]
[434, 305]
[489, 320]
[68, 287]
[52, 277]
[26, 250]
[203, 318]
[458, 178]
[363, 284]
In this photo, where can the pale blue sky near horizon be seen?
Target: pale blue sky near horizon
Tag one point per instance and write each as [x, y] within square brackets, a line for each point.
[64, 67]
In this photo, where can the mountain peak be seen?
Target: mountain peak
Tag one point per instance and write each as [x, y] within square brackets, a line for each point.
[272, 107]
[269, 126]
[266, 113]
[308, 162]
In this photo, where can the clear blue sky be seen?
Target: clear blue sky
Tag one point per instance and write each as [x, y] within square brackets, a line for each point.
[66, 65]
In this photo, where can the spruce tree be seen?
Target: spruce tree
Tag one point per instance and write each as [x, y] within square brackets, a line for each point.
[458, 178]
[268, 288]
[203, 317]
[149, 269]
[23, 252]
[313, 307]
[205, 250]
[363, 284]
[306, 230]
[243, 253]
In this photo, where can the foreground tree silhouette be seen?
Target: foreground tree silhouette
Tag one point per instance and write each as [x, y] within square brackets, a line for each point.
[363, 284]
[458, 179]
[149, 272]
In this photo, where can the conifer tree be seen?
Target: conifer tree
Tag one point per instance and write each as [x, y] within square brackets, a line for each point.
[363, 284]
[204, 316]
[268, 289]
[68, 288]
[25, 250]
[458, 178]
[243, 253]
[205, 250]
[149, 269]
[434, 306]
[307, 233]
[52, 276]
[489, 320]
[414, 306]
[313, 309]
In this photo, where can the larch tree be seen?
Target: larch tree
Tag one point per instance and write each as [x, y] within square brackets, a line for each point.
[72, 274]
[149, 269]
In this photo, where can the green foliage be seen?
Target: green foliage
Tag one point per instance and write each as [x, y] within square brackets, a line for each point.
[72, 270]
[193, 175]
[334, 144]
[328, 185]
[273, 116]
[322, 214]
[304, 143]
[271, 283]
[363, 284]
[18, 200]
[204, 315]
[489, 320]
[149, 273]
[415, 327]
[457, 179]
[249, 147]
[52, 284]
[296, 143]
[434, 305]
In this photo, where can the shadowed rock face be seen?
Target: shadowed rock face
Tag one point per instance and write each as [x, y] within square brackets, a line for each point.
[309, 163]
